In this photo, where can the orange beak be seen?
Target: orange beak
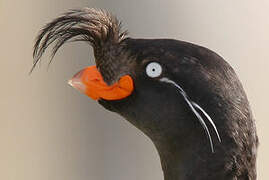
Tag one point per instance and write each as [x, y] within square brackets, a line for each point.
[89, 81]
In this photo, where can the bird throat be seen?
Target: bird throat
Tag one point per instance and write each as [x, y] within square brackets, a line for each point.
[189, 162]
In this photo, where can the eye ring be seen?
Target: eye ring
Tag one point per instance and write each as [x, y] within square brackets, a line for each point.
[154, 69]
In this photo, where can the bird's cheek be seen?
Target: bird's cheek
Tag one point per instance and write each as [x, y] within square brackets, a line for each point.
[89, 81]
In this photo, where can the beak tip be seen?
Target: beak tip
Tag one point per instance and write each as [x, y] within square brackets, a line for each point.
[77, 84]
[70, 82]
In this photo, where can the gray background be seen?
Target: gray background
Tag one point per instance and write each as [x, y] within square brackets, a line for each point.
[48, 130]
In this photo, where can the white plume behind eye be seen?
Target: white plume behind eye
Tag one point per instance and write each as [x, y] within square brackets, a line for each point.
[154, 69]
[194, 106]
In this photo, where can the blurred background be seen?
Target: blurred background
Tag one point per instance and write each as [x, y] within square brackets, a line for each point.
[48, 130]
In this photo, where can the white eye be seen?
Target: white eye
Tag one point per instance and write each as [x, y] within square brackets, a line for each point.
[154, 69]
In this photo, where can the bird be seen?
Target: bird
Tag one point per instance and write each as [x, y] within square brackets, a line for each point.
[186, 98]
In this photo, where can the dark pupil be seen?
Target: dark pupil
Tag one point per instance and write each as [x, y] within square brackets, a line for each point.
[153, 69]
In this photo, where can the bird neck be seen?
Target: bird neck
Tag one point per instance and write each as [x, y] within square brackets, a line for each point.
[189, 163]
[187, 160]
[173, 166]
[181, 161]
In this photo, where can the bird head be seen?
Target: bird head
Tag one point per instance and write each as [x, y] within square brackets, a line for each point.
[183, 96]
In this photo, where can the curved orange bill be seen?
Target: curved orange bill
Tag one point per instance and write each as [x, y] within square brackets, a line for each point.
[90, 82]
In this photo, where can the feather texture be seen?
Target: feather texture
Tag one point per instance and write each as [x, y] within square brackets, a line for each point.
[97, 27]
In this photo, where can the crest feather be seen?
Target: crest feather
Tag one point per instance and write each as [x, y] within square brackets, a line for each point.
[95, 26]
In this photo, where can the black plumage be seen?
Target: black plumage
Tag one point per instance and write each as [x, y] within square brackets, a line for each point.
[157, 108]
